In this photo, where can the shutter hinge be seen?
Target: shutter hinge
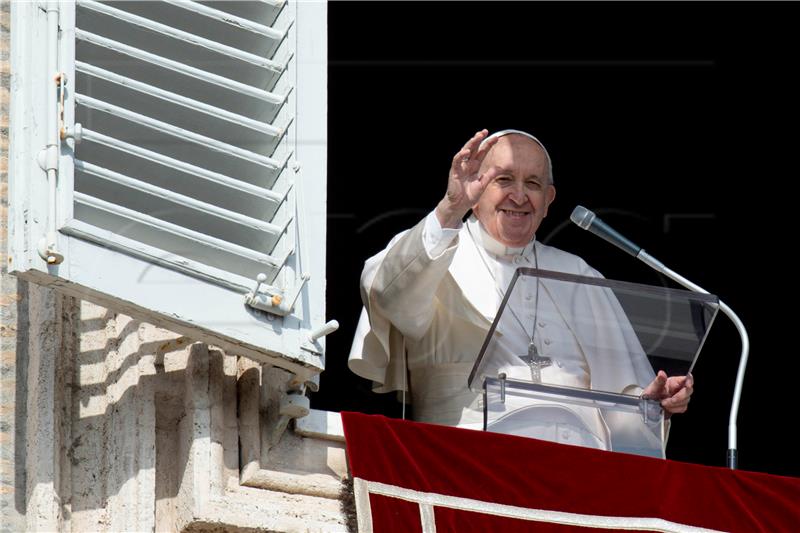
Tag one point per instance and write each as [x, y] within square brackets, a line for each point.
[294, 405]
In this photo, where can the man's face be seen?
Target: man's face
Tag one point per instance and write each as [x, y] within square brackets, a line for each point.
[515, 202]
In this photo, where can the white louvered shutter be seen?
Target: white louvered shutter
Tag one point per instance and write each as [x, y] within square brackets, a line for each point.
[194, 164]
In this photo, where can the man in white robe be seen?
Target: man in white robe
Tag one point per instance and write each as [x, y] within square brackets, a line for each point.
[430, 297]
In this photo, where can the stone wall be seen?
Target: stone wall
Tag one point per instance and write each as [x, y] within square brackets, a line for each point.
[129, 427]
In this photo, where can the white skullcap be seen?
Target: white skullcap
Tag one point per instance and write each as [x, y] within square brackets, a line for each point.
[502, 133]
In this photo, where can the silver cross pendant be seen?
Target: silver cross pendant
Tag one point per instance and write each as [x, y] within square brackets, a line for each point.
[536, 362]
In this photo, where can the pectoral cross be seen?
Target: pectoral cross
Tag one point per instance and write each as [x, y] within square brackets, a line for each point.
[536, 362]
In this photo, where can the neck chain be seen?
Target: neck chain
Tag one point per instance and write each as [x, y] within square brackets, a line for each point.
[532, 359]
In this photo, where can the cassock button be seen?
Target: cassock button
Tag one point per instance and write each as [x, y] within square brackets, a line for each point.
[542, 324]
[547, 341]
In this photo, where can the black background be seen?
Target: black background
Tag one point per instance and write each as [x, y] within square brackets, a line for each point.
[675, 122]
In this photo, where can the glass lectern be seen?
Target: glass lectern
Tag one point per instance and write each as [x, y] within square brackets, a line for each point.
[568, 358]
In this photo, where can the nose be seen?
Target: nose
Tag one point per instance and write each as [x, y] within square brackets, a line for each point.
[517, 194]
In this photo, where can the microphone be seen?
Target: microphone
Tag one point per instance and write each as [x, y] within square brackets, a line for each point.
[587, 220]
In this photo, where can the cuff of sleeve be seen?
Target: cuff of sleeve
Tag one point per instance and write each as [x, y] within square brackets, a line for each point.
[633, 390]
[435, 238]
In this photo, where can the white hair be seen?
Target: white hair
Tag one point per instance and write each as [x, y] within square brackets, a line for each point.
[502, 133]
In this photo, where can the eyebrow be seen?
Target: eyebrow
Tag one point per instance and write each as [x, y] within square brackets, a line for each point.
[505, 171]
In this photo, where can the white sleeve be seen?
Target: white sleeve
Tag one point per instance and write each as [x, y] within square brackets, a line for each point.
[435, 238]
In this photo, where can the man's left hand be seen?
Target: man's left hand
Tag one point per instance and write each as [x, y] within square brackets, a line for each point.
[674, 392]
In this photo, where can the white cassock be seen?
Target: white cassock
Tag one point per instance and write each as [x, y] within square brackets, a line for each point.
[430, 298]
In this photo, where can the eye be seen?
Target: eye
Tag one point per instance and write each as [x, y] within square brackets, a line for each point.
[533, 184]
[503, 180]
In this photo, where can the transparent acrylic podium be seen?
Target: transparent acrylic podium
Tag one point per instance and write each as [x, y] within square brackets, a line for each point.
[568, 357]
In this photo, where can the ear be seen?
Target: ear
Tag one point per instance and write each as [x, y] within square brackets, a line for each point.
[549, 196]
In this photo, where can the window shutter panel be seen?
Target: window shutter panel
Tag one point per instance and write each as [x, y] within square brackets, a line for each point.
[191, 170]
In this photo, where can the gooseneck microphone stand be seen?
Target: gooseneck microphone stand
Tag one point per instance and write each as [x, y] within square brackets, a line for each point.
[587, 220]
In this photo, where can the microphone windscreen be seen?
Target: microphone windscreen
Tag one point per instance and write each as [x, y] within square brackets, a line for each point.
[582, 217]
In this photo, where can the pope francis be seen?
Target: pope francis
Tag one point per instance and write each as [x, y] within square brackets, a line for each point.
[431, 295]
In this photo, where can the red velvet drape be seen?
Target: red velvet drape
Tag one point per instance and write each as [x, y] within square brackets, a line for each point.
[526, 473]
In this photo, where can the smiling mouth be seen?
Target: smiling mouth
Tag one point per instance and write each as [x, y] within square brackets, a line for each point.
[515, 214]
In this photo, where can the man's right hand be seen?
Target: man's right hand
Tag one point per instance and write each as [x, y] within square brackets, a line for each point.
[465, 184]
